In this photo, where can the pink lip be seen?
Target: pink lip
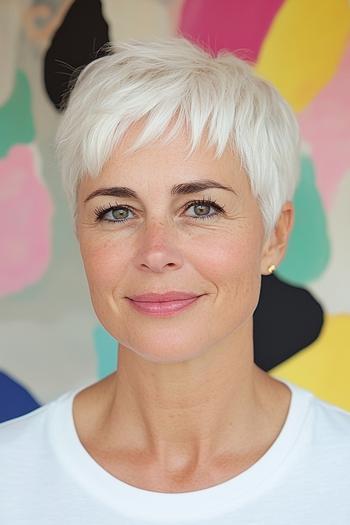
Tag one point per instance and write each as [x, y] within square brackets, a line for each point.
[168, 296]
[162, 308]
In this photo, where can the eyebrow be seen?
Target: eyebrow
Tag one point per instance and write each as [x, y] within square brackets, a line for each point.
[178, 189]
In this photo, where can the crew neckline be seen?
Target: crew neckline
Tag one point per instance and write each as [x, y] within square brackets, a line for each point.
[168, 507]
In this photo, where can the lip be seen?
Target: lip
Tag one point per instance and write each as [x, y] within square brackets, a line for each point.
[164, 297]
[163, 308]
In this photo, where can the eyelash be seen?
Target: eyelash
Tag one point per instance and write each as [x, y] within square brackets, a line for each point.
[100, 211]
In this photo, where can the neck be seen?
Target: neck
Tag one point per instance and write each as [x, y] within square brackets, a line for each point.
[189, 411]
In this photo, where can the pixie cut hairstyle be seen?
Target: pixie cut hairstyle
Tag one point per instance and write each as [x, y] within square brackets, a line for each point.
[174, 84]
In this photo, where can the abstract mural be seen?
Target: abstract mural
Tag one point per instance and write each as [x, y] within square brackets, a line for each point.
[50, 338]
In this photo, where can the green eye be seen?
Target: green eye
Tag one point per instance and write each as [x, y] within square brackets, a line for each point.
[204, 205]
[119, 214]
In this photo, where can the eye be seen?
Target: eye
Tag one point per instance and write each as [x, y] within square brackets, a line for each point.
[117, 213]
[120, 214]
[202, 206]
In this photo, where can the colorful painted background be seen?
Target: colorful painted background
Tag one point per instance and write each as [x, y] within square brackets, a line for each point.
[50, 339]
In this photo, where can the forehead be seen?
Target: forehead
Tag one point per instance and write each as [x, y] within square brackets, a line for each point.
[158, 163]
[175, 150]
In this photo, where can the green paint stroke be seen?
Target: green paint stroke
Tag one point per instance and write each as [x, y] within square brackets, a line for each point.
[106, 348]
[308, 249]
[16, 121]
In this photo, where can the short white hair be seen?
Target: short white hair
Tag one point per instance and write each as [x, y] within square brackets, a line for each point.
[173, 78]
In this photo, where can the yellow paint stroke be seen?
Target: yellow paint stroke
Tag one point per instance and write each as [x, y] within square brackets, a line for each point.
[303, 47]
[323, 367]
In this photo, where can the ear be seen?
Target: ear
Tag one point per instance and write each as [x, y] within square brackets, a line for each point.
[276, 245]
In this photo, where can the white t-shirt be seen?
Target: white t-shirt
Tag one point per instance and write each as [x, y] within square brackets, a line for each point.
[48, 477]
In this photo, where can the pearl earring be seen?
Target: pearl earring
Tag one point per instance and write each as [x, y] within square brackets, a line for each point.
[271, 268]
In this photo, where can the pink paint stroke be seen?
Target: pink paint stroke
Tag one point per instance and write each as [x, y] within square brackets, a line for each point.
[325, 126]
[236, 25]
[25, 221]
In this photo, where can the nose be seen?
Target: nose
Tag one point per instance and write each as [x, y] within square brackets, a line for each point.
[158, 249]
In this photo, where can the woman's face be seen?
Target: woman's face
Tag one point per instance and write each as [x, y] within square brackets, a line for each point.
[168, 243]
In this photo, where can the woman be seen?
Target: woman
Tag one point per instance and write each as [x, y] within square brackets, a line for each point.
[180, 168]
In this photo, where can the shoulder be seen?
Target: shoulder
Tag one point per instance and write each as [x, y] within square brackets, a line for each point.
[322, 435]
[27, 433]
[331, 415]
[325, 459]
[23, 436]
[325, 453]
[27, 451]
[23, 447]
[324, 421]
[331, 423]
[18, 427]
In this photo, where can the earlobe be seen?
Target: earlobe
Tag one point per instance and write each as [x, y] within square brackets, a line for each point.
[268, 255]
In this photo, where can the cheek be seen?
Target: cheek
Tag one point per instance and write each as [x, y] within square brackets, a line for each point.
[105, 263]
[231, 255]
[232, 265]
